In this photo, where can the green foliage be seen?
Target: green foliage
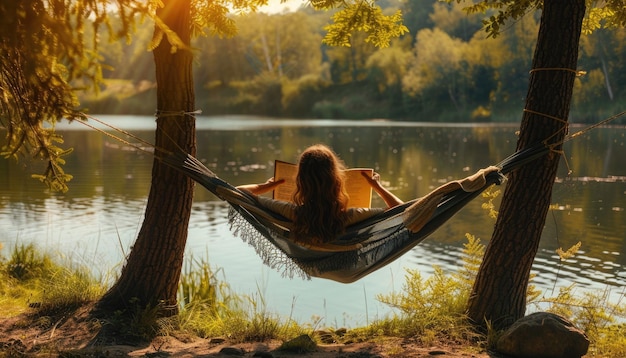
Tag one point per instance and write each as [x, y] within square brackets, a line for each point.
[21, 114]
[138, 323]
[198, 285]
[69, 287]
[263, 95]
[438, 58]
[435, 306]
[210, 309]
[301, 95]
[391, 64]
[486, 81]
[604, 14]
[503, 11]
[599, 13]
[14, 294]
[287, 46]
[239, 318]
[361, 16]
[44, 53]
[564, 255]
[590, 88]
[490, 195]
[329, 110]
[201, 296]
[29, 276]
[473, 252]
[26, 263]
[43, 50]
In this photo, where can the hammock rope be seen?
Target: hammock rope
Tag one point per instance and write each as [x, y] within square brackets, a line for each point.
[365, 246]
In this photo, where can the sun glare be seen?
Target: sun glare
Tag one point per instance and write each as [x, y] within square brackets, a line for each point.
[277, 7]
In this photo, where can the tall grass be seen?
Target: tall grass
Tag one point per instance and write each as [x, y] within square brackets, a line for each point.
[32, 278]
[433, 308]
[210, 309]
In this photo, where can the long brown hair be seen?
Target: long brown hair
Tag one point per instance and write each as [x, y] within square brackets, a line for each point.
[320, 195]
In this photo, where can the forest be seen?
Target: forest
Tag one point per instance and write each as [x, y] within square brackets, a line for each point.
[445, 69]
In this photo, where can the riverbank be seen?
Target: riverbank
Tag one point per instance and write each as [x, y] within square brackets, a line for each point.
[79, 334]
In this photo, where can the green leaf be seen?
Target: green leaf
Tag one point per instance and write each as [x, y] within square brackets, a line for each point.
[367, 18]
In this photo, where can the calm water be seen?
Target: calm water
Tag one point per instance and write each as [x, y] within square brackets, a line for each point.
[97, 221]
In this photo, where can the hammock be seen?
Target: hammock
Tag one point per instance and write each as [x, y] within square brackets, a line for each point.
[365, 246]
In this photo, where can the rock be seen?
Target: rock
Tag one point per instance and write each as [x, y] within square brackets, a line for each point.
[300, 344]
[543, 335]
[232, 351]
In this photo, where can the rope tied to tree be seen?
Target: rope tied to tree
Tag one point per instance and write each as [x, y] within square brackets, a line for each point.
[569, 137]
[147, 148]
[578, 73]
[564, 129]
[163, 113]
[564, 121]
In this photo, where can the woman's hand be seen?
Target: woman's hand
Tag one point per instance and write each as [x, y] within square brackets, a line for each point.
[258, 189]
[271, 184]
[374, 181]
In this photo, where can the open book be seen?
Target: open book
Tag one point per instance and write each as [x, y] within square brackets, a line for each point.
[359, 190]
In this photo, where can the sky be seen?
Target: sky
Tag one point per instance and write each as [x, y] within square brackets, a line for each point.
[276, 7]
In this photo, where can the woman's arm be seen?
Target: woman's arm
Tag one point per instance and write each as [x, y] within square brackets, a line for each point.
[258, 189]
[374, 181]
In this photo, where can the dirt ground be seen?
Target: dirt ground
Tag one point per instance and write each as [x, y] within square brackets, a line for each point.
[78, 334]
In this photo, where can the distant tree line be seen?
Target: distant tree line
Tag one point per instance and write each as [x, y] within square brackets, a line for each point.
[445, 69]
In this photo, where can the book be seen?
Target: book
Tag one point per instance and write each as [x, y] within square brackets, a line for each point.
[359, 190]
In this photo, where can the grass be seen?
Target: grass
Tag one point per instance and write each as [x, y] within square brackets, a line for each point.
[33, 279]
[209, 308]
[430, 309]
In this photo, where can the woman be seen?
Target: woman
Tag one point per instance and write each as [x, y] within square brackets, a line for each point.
[320, 209]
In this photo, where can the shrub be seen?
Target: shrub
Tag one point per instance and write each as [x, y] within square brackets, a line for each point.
[26, 263]
[435, 307]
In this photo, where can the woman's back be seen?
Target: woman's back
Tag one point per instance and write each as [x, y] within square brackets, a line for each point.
[321, 197]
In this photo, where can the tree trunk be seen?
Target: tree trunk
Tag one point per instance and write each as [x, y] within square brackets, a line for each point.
[499, 293]
[152, 271]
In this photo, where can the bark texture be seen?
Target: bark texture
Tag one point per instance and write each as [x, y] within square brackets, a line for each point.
[499, 292]
[152, 271]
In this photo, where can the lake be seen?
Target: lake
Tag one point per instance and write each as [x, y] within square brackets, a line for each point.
[96, 222]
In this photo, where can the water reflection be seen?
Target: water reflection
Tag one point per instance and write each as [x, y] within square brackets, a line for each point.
[98, 219]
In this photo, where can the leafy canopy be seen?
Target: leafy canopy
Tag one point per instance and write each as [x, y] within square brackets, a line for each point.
[611, 13]
[363, 16]
[44, 54]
